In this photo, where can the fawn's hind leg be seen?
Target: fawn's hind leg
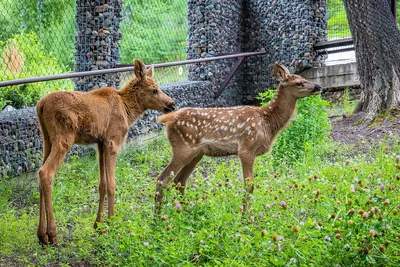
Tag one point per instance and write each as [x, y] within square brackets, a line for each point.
[183, 175]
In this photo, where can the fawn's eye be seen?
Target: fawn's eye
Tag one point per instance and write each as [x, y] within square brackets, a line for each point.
[155, 91]
[300, 84]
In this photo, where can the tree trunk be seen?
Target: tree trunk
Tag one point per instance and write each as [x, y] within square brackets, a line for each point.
[377, 44]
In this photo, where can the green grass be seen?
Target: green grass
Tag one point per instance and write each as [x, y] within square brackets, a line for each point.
[345, 106]
[315, 229]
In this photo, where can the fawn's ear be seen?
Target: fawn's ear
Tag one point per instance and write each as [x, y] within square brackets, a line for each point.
[280, 72]
[150, 72]
[140, 70]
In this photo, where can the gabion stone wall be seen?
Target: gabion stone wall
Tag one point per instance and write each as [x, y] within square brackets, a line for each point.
[96, 44]
[215, 28]
[21, 143]
[287, 30]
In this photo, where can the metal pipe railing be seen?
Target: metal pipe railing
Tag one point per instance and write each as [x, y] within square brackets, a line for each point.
[122, 69]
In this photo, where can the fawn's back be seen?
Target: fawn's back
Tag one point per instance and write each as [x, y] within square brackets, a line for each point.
[217, 131]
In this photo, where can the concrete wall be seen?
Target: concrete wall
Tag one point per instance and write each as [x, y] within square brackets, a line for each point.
[335, 76]
[335, 80]
[21, 143]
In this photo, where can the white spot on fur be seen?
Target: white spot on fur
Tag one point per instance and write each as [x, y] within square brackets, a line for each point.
[240, 125]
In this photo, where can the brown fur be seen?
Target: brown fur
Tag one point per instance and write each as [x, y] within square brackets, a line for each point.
[246, 131]
[101, 116]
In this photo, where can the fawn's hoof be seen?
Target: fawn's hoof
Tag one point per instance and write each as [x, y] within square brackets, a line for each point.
[100, 231]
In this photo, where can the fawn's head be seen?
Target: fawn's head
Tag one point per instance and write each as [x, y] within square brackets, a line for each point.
[148, 91]
[294, 84]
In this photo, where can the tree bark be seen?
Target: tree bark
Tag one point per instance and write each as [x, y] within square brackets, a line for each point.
[377, 44]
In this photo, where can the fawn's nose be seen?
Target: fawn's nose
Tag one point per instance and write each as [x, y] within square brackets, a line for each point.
[317, 89]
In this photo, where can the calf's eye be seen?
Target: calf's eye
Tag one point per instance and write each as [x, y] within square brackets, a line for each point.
[299, 84]
[155, 91]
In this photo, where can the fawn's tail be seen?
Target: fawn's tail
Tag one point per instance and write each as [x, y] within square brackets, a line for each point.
[166, 117]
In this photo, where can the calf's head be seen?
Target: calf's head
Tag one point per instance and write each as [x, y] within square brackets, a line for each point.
[148, 91]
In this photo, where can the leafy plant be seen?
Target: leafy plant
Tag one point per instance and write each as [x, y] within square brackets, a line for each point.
[301, 215]
[154, 31]
[28, 59]
[310, 126]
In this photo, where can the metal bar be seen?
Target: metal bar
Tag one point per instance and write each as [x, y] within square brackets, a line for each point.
[228, 78]
[324, 52]
[333, 43]
[122, 69]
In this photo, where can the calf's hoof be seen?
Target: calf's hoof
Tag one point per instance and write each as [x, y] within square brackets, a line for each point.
[43, 239]
[53, 239]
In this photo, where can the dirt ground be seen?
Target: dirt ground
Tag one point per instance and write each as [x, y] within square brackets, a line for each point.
[350, 130]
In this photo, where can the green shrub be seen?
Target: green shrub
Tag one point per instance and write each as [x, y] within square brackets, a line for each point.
[36, 62]
[310, 126]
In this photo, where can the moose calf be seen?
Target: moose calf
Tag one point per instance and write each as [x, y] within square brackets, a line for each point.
[102, 116]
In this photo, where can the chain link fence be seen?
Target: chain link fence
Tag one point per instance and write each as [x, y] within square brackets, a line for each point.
[41, 38]
[49, 37]
[338, 26]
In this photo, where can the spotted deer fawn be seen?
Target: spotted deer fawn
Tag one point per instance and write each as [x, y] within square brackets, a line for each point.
[246, 131]
[102, 116]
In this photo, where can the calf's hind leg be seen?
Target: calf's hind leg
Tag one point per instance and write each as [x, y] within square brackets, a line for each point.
[46, 175]
[102, 184]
